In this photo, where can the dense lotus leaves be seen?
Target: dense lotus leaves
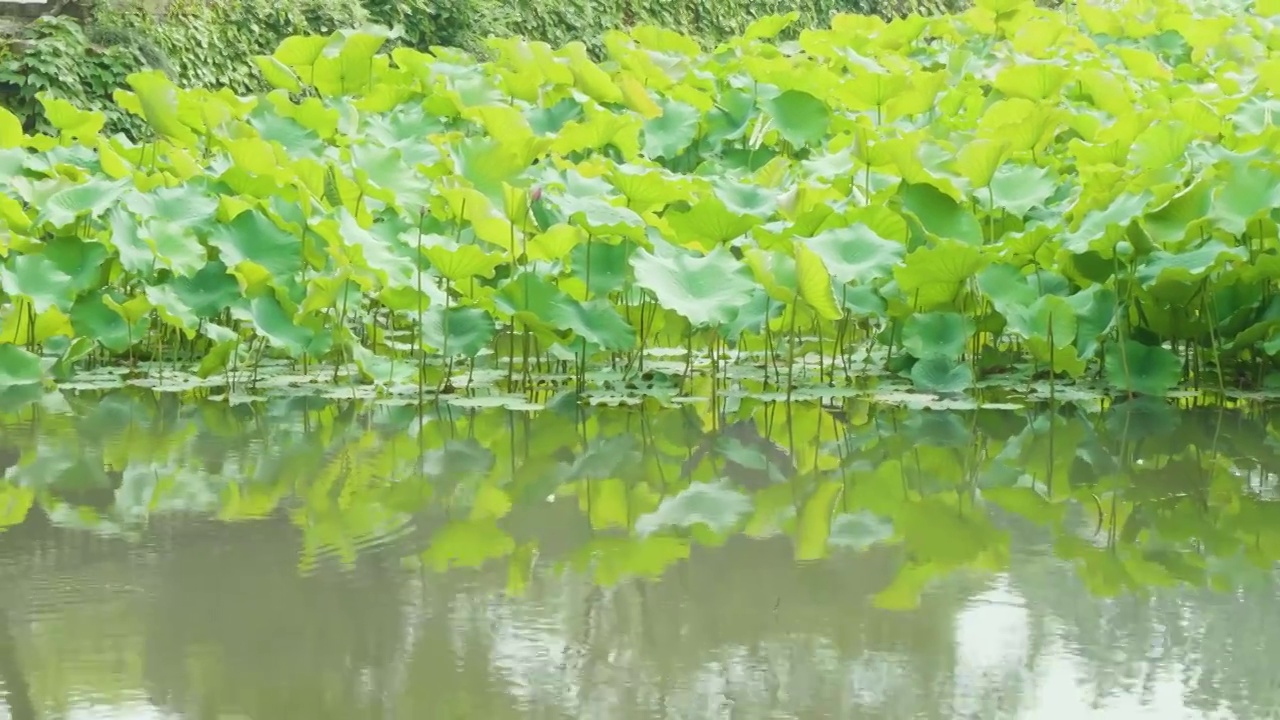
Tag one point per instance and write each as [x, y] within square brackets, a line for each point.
[1063, 187]
[705, 289]
[801, 118]
[91, 198]
[458, 331]
[936, 334]
[940, 215]
[1135, 367]
[675, 127]
[18, 367]
[92, 317]
[856, 253]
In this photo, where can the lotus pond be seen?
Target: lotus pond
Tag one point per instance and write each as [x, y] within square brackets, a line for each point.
[1004, 195]
[313, 558]
[893, 370]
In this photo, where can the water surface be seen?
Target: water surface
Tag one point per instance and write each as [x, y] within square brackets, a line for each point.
[295, 558]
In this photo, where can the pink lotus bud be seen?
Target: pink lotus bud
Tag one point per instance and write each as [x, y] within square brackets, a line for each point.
[536, 195]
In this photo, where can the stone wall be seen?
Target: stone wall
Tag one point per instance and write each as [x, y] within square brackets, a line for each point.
[26, 9]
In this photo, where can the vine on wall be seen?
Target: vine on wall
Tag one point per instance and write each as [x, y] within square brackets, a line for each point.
[54, 57]
[212, 44]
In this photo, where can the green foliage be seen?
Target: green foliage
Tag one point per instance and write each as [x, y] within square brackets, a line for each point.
[212, 44]
[1131, 494]
[53, 58]
[451, 23]
[561, 21]
[1036, 212]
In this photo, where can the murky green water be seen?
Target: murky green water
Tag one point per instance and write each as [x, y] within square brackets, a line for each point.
[317, 559]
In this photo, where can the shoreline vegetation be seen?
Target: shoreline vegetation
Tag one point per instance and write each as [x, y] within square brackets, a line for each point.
[1079, 201]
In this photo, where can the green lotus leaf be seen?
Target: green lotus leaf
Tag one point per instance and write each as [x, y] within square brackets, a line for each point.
[855, 253]
[277, 326]
[71, 121]
[730, 119]
[939, 374]
[19, 367]
[389, 169]
[667, 135]
[486, 164]
[377, 254]
[1190, 266]
[38, 279]
[1031, 80]
[874, 88]
[1007, 288]
[134, 254]
[863, 301]
[157, 98]
[1064, 360]
[11, 134]
[604, 267]
[174, 246]
[208, 292]
[752, 315]
[253, 238]
[940, 215]
[463, 262]
[468, 330]
[1182, 217]
[91, 198]
[936, 334]
[742, 198]
[300, 51]
[801, 118]
[186, 204]
[1049, 317]
[83, 262]
[933, 276]
[1101, 229]
[381, 370]
[277, 74]
[775, 272]
[1162, 147]
[346, 65]
[768, 27]
[588, 76]
[1017, 189]
[649, 188]
[813, 283]
[597, 322]
[709, 223]
[171, 308]
[91, 317]
[1246, 192]
[64, 368]
[705, 290]
[218, 357]
[613, 559]
[1146, 369]
[600, 216]
[979, 160]
[287, 132]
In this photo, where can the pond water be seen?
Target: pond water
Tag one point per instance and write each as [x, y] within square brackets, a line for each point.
[311, 559]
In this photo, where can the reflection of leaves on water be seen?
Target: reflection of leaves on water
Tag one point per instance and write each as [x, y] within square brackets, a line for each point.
[717, 505]
[1174, 496]
[859, 530]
